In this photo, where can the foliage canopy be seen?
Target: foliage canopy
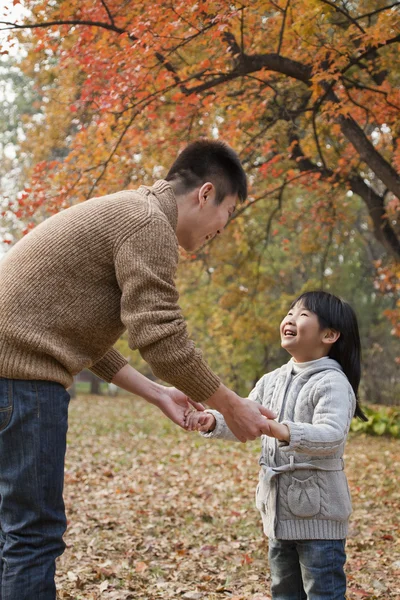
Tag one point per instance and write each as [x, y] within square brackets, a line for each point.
[308, 92]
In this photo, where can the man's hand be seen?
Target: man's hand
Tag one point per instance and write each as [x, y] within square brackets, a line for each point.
[245, 418]
[171, 401]
[199, 421]
[175, 404]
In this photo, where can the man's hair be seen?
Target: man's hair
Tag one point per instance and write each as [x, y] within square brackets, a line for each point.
[209, 160]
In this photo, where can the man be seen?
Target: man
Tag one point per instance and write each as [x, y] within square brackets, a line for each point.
[67, 292]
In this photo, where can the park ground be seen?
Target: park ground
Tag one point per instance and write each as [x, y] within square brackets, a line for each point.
[155, 512]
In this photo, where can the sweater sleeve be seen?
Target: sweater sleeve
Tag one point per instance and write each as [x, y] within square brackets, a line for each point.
[334, 408]
[259, 392]
[109, 365]
[221, 430]
[146, 266]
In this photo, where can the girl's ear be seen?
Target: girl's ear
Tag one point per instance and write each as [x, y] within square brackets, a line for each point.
[330, 336]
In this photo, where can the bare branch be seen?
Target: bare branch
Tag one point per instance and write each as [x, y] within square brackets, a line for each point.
[112, 153]
[362, 86]
[274, 190]
[376, 208]
[75, 22]
[373, 13]
[327, 248]
[383, 229]
[343, 12]
[282, 27]
[108, 12]
[316, 138]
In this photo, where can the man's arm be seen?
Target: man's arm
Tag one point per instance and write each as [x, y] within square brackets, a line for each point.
[145, 267]
[172, 402]
[245, 418]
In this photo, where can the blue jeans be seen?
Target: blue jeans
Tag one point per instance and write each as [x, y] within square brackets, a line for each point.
[33, 431]
[307, 569]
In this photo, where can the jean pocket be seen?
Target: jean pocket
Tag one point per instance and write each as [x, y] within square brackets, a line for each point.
[6, 402]
[304, 497]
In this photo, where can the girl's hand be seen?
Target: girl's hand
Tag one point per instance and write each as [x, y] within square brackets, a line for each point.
[279, 431]
[199, 421]
[175, 404]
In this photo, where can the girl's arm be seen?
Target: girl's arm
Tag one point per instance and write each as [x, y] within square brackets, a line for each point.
[221, 429]
[334, 409]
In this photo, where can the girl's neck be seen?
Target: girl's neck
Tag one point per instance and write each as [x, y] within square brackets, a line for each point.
[299, 365]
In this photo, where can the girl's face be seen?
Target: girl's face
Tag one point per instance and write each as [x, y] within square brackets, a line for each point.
[302, 336]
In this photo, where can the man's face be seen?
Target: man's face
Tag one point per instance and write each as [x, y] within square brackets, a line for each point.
[205, 219]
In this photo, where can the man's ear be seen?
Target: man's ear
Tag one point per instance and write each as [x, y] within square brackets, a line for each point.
[206, 193]
[330, 336]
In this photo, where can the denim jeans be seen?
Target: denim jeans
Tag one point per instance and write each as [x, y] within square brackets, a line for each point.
[33, 431]
[307, 569]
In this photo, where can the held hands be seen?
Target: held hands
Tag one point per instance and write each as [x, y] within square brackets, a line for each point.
[199, 421]
[175, 404]
[245, 418]
[205, 422]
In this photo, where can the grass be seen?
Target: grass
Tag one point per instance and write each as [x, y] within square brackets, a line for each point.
[155, 512]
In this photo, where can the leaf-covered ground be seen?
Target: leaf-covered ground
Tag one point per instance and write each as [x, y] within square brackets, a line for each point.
[156, 512]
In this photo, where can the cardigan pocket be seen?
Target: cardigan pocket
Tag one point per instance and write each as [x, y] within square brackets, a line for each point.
[304, 497]
[263, 491]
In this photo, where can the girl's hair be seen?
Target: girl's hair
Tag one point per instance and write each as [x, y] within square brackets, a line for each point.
[335, 313]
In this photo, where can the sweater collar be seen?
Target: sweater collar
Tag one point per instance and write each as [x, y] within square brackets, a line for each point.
[314, 366]
[165, 196]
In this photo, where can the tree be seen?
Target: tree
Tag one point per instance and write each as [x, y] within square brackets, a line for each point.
[237, 291]
[17, 101]
[308, 91]
[301, 87]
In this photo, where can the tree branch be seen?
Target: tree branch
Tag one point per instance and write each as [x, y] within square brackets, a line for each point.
[368, 153]
[383, 230]
[75, 22]
[252, 63]
[283, 27]
[343, 12]
[381, 224]
[373, 13]
[108, 12]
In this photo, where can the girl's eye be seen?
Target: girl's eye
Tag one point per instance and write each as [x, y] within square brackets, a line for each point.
[304, 315]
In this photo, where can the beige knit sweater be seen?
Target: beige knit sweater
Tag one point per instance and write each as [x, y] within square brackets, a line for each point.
[71, 287]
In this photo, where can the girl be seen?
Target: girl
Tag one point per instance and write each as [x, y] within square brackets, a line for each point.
[303, 494]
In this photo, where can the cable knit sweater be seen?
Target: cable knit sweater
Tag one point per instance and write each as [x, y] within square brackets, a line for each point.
[71, 287]
[302, 491]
